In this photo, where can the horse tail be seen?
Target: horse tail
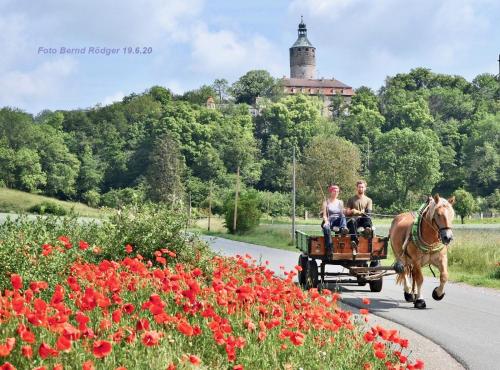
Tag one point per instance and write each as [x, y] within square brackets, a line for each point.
[408, 270]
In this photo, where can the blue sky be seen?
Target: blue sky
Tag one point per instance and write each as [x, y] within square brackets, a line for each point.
[193, 42]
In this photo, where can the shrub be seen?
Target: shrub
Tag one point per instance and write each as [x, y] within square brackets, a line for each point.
[146, 229]
[248, 212]
[48, 207]
[117, 198]
[92, 198]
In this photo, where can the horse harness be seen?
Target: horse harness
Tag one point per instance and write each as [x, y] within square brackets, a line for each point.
[416, 236]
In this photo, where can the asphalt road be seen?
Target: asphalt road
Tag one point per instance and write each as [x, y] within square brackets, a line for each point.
[466, 323]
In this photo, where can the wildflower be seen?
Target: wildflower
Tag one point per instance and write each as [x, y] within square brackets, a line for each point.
[366, 301]
[101, 348]
[129, 249]
[83, 245]
[195, 360]
[363, 311]
[63, 343]
[27, 351]
[184, 328]
[7, 366]
[17, 281]
[151, 338]
[380, 354]
[88, 365]
[46, 351]
[6, 348]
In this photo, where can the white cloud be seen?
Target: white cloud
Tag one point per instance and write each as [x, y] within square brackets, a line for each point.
[116, 97]
[22, 88]
[226, 53]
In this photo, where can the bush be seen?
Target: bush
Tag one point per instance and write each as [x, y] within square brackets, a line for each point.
[147, 228]
[92, 198]
[50, 208]
[118, 198]
[248, 212]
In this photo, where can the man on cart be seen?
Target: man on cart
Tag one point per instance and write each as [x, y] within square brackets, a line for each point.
[359, 209]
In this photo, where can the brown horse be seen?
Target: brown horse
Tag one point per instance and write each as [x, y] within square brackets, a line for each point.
[424, 243]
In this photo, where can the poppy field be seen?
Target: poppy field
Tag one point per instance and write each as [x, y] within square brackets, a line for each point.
[163, 311]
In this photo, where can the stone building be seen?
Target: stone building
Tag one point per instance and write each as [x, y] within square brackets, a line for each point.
[303, 73]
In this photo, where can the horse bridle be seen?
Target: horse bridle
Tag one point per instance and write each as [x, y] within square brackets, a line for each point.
[439, 228]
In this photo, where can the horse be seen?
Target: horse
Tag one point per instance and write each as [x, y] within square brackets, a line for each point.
[421, 239]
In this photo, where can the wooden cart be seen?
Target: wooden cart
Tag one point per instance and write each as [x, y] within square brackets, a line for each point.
[360, 264]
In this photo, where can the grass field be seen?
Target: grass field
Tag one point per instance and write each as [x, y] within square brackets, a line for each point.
[474, 255]
[15, 201]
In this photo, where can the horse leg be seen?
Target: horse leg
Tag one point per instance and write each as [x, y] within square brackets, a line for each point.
[438, 292]
[408, 291]
[418, 277]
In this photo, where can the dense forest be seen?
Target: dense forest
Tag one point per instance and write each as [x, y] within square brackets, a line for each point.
[422, 132]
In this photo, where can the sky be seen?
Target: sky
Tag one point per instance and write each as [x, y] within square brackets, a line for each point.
[184, 44]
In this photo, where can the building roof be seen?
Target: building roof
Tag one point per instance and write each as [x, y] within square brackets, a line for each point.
[323, 82]
[302, 40]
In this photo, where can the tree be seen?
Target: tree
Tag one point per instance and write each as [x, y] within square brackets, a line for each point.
[248, 212]
[163, 175]
[404, 162]
[29, 174]
[252, 85]
[340, 164]
[90, 175]
[221, 87]
[291, 122]
[200, 96]
[465, 204]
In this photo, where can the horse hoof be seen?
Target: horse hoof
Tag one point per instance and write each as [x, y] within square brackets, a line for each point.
[436, 296]
[420, 304]
[409, 297]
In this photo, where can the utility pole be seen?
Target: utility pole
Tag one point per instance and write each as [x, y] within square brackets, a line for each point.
[209, 204]
[189, 214]
[293, 197]
[499, 66]
[236, 198]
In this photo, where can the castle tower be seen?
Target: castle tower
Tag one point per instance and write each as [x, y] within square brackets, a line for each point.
[302, 56]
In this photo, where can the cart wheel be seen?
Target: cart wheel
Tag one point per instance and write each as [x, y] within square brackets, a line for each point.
[375, 285]
[303, 259]
[361, 281]
[312, 275]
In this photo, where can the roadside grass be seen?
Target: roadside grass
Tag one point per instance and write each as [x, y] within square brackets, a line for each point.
[15, 201]
[473, 257]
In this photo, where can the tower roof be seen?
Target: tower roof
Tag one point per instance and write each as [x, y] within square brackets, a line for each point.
[302, 39]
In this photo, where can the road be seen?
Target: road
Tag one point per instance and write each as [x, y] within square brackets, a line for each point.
[466, 323]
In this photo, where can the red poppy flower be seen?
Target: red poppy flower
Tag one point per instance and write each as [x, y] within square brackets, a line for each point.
[150, 338]
[380, 354]
[63, 343]
[171, 367]
[6, 348]
[27, 351]
[88, 365]
[129, 248]
[238, 367]
[17, 281]
[185, 328]
[83, 245]
[45, 351]
[419, 364]
[128, 308]
[58, 367]
[7, 366]
[101, 348]
[25, 334]
[366, 301]
[363, 311]
[195, 360]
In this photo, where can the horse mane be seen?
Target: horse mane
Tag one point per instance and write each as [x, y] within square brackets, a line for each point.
[441, 203]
